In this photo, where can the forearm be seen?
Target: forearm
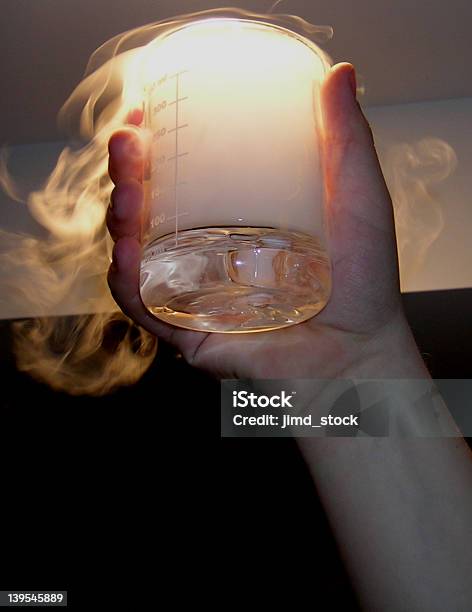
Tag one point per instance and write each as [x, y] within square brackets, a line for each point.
[400, 508]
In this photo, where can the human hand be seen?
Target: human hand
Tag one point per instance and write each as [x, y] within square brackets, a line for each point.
[363, 323]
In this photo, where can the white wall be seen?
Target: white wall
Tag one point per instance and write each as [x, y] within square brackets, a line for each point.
[449, 261]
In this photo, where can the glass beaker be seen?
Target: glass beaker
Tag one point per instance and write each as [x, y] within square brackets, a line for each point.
[233, 237]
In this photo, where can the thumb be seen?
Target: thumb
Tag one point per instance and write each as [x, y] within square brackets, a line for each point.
[359, 213]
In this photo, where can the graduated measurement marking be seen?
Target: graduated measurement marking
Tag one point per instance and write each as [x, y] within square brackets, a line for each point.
[177, 154]
[180, 215]
[177, 74]
[161, 161]
[178, 127]
[178, 100]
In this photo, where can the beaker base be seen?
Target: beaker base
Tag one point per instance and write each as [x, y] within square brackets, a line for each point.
[235, 279]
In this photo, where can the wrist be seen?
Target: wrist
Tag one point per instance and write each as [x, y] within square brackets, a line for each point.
[389, 353]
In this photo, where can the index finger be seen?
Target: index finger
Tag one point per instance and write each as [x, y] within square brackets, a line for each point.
[126, 156]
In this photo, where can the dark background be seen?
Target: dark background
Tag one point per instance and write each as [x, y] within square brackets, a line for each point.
[134, 496]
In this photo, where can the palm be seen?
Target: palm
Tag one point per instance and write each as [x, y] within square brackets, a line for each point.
[255, 355]
[320, 347]
[271, 355]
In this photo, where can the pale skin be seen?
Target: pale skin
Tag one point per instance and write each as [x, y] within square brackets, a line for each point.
[414, 557]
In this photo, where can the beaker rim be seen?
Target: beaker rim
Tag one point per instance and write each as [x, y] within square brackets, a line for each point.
[326, 63]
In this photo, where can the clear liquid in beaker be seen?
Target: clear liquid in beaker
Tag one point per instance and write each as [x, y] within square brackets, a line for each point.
[236, 279]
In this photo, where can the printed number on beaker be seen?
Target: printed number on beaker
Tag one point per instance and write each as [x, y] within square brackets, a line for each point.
[158, 219]
[158, 162]
[160, 107]
[160, 133]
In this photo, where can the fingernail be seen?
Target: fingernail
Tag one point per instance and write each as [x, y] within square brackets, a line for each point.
[114, 264]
